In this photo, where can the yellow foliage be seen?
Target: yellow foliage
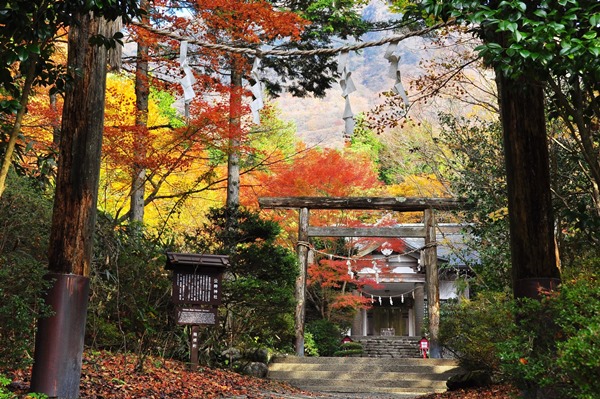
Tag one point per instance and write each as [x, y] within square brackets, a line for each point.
[499, 214]
[423, 185]
[162, 148]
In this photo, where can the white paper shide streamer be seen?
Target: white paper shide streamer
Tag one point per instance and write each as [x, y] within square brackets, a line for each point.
[347, 88]
[394, 58]
[257, 92]
[188, 80]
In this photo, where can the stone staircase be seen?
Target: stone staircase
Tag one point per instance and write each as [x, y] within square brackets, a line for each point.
[390, 347]
[403, 377]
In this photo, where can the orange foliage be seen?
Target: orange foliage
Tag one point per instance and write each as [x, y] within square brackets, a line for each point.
[335, 284]
[325, 173]
[216, 21]
[315, 172]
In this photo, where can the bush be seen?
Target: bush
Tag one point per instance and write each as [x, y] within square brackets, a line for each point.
[310, 346]
[327, 336]
[258, 288]
[555, 347]
[349, 349]
[4, 392]
[25, 216]
[471, 330]
[130, 307]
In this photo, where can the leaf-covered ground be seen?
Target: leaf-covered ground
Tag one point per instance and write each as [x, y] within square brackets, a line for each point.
[114, 376]
[495, 392]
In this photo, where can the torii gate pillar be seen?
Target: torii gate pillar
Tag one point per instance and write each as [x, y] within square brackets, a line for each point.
[302, 249]
[432, 284]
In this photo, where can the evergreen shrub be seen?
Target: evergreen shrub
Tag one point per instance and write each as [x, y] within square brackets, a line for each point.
[25, 217]
[257, 309]
[130, 306]
[471, 329]
[310, 346]
[349, 349]
[564, 358]
[327, 336]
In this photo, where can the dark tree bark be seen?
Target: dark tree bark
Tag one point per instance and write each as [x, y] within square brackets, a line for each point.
[81, 143]
[59, 340]
[534, 262]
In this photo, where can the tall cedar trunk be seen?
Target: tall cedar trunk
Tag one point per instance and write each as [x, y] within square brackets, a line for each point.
[59, 339]
[80, 146]
[235, 130]
[142, 93]
[534, 262]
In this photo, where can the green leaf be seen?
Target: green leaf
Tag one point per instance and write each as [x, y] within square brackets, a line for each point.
[595, 20]
[34, 49]
[566, 49]
[518, 36]
[507, 26]
[22, 53]
[494, 46]
[525, 53]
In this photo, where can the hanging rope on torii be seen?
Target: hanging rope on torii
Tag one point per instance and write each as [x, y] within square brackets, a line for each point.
[346, 83]
[397, 204]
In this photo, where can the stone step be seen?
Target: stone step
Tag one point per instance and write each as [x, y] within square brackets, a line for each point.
[364, 375]
[390, 347]
[362, 368]
[357, 376]
[363, 360]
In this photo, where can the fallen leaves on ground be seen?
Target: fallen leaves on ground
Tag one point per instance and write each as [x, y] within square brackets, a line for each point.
[113, 376]
[492, 392]
[105, 375]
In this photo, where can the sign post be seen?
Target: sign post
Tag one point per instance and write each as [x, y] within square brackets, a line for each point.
[197, 283]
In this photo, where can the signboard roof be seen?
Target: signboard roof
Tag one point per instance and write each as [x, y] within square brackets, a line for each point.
[181, 260]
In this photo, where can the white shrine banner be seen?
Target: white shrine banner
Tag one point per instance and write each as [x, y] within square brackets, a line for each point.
[257, 92]
[348, 87]
[188, 80]
[394, 71]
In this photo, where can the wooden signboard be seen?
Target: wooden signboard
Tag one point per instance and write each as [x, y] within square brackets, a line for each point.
[196, 278]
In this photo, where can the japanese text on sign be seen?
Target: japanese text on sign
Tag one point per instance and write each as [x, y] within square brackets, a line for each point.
[196, 288]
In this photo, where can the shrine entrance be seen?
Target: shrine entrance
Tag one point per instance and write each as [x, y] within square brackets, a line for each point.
[388, 321]
[380, 319]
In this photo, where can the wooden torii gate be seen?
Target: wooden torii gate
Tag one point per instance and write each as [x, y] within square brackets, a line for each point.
[398, 204]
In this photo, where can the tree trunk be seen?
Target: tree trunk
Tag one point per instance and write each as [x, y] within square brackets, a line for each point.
[16, 129]
[534, 262]
[235, 131]
[142, 94]
[59, 340]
